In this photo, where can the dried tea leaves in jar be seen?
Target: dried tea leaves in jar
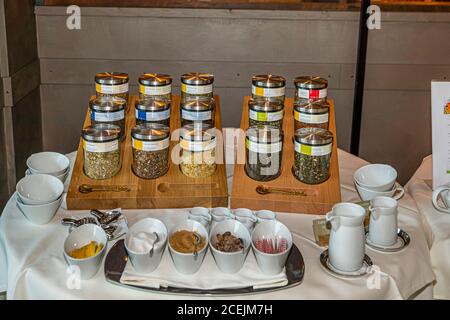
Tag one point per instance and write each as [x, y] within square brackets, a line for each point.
[263, 112]
[309, 88]
[196, 85]
[109, 110]
[152, 111]
[268, 87]
[311, 114]
[155, 86]
[112, 84]
[198, 110]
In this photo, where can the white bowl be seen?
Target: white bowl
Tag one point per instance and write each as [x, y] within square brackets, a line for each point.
[230, 262]
[39, 214]
[52, 163]
[146, 262]
[376, 177]
[271, 264]
[80, 237]
[188, 263]
[61, 177]
[366, 194]
[39, 189]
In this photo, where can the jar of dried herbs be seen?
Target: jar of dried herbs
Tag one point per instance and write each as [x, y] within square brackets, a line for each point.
[308, 88]
[102, 151]
[269, 87]
[155, 85]
[196, 85]
[264, 150]
[150, 144]
[265, 113]
[312, 155]
[312, 114]
[109, 110]
[198, 150]
[198, 110]
[112, 84]
[152, 111]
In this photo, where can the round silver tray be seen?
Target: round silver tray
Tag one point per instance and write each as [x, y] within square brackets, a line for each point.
[403, 240]
[365, 269]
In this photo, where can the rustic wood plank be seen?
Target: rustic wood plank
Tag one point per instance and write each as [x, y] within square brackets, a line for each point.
[25, 80]
[321, 197]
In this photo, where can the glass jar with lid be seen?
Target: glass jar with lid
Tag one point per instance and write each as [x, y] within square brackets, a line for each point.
[268, 87]
[264, 150]
[150, 144]
[312, 114]
[102, 151]
[198, 110]
[308, 88]
[196, 86]
[152, 111]
[198, 150]
[263, 112]
[312, 159]
[108, 110]
[112, 84]
[155, 85]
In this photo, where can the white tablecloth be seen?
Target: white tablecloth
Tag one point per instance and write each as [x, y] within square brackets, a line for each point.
[36, 268]
[436, 223]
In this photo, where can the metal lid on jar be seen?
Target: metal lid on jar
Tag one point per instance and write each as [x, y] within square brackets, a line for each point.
[264, 134]
[264, 105]
[195, 78]
[152, 104]
[111, 78]
[268, 81]
[310, 82]
[101, 133]
[199, 105]
[150, 132]
[198, 132]
[313, 136]
[313, 107]
[107, 103]
[155, 79]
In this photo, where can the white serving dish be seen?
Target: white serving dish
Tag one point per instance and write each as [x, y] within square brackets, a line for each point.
[39, 189]
[366, 194]
[39, 214]
[52, 163]
[376, 177]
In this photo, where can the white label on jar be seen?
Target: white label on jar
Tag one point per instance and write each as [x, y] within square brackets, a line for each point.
[197, 145]
[150, 145]
[152, 115]
[109, 146]
[155, 90]
[266, 116]
[311, 118]
[312, 150]
[312, 94]
[107, 116]
[268, 92]
[196, 115]
[263, 147]
[112, 89]
[196, 89]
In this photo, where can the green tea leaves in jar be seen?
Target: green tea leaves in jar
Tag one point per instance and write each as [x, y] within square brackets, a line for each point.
[102, 151]
[311, 114]
[263, 112]
[196, 85]
[309, 88]
[152, 111]
[312, 155]
[109, 110]
[112, 84]
[150, 144]
[156, 86]
[264, 150]
[268, 87]
[198, 110]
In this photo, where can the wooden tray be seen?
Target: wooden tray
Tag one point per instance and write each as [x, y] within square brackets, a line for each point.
[173, 190]
[320, 197]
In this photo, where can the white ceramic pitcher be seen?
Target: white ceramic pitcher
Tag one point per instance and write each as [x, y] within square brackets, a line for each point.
[383, 226]
[347, 239]
[444, 192]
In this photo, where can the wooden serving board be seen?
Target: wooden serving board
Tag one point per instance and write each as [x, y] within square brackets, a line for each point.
[173, 190]
[320, 197]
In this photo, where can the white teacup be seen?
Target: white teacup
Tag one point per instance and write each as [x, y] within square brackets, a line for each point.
[366, 194]
[246, 217]
[383, 226]
[202, 215]
[265, 215]
[376, 177]
[220, 214]
[444, 194]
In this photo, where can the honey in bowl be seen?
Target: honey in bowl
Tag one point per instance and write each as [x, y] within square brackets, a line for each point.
[185, 241]
[87, 251]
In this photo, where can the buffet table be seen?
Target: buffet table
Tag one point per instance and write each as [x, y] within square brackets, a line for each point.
[36, 268]
[438, 224]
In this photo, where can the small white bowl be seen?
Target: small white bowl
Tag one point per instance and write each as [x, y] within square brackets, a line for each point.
[188, 263]
[376, 177]
[52, 163]
[39, 189]
[146, 262]
[230, 262]
[62, 177]
[39, 214]
[80, 237]
[366, 194]
[271, 264]
[265, 215]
